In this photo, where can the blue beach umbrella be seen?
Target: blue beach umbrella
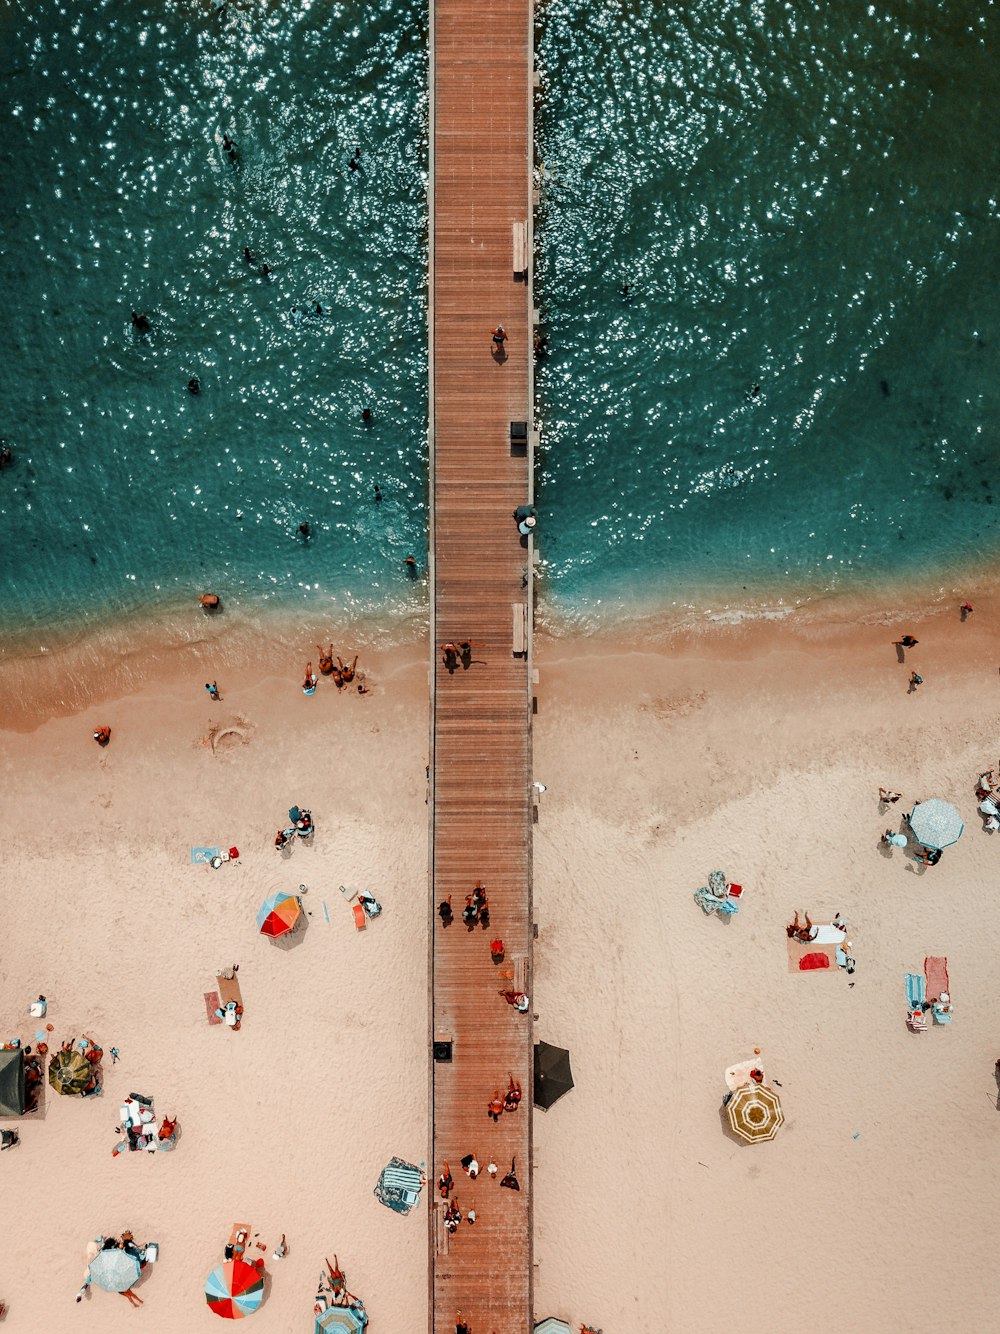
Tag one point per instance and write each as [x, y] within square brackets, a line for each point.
[936, 823]
[341, 1320]
[114, 1270]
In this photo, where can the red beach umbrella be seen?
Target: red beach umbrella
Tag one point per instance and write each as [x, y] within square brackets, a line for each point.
[235, 1289]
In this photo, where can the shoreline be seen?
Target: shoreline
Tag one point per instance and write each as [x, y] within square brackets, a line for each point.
[62, 671]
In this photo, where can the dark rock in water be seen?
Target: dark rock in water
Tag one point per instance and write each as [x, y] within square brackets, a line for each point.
[949, 493]
[884, 386]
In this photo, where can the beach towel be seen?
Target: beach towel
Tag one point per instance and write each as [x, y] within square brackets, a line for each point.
[201, 856]
[211, 1005]
[936, 973]
[399, 1186]
[813, 960]
[800, 951]
[915, 993]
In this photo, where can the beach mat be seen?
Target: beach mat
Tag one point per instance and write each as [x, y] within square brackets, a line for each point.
[202, 856]
[806, 957]
[211, 1005]
[229, 990]
[936, 973]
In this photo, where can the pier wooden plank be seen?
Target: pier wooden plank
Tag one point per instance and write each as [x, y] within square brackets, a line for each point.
[481, 64]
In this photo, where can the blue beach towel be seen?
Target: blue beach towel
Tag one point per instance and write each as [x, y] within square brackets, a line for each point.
[399, 1186]
[202, 856]
[915, 990]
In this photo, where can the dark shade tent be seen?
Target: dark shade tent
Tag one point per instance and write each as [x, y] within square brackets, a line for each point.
[553, 1077]
[12, 1098]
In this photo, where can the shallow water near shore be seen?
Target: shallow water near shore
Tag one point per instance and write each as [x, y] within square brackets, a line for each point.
[803, 201]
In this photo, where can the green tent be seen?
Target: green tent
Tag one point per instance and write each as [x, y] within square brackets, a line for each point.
[12, 1099]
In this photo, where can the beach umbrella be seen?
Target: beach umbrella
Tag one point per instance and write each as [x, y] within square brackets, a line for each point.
[553, 1077]
[341, 1320]
[936, 823]
[235, 1289]
[550, 1325]
[755, 1112]
[278, 914]
[69, 1072]
[114, 1270]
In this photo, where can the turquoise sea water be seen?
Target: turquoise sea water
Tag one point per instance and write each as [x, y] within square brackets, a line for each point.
[127, 491]
[801, 197]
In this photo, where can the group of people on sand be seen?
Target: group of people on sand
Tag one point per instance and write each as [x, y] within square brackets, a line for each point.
[340, 672]
[896, 839]
[508, 1103]
[302, 826]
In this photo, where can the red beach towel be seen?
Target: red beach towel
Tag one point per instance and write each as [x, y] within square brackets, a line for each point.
[936, 973]
[813, 961]
[211, 1005]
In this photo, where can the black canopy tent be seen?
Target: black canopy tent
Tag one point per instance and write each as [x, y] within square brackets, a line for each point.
[12, 1095]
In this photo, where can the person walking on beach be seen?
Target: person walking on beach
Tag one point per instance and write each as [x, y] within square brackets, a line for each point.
[213, 690]
[915, 680]
[907, 641]
[103, 735]
[966, 610]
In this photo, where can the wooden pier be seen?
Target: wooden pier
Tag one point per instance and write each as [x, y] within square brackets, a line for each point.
[481, 572]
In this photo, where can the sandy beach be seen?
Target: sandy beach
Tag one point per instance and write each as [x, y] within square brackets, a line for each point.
[755, 748]
[288, 1122]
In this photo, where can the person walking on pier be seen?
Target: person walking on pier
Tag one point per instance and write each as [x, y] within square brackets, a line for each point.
[499, 337]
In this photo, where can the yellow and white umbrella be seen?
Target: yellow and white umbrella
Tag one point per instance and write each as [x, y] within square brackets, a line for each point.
[755, 1113]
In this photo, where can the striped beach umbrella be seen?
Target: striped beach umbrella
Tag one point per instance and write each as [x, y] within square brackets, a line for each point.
[278, 914]
[755, 1113]
[235, 1289]
[936, 823]
[113, 1270]
[341, 1320]
[69, 1072]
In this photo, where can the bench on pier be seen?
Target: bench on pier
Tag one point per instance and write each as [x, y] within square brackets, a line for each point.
[519, 644]
[519, 237]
